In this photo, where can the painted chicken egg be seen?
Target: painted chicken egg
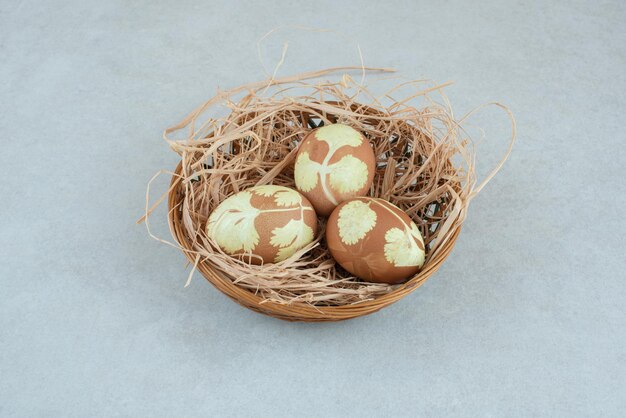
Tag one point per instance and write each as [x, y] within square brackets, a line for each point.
[334, 163]
[375, 240]
[263, 224]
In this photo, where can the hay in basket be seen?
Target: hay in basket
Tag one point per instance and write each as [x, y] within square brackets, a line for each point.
[425, 166]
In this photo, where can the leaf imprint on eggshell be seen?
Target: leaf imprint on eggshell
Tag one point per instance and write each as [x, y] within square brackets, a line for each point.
[348, 174]
[306, 172]
[355, 220]
[231, 224]
[283, 196]
[402, 247]
[290, 238]
[337, 136]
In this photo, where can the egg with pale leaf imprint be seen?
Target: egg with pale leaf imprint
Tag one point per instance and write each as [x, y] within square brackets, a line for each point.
[263, 224]
[375, 240]
[334, 163]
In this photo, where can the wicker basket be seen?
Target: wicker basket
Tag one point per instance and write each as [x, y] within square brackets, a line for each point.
[417, 145]
[296, 311]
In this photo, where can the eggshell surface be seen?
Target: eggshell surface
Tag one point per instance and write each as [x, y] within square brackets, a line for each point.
[263, 224]
[375, 240]
[334, 163]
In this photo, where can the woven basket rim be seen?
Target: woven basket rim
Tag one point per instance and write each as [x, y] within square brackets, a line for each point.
[296, 311]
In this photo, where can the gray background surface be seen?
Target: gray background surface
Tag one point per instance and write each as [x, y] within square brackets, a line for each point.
[527, 316]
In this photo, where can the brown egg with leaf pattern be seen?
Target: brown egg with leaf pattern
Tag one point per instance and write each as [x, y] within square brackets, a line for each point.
[263, 224]
[334, 163]
[375, 240]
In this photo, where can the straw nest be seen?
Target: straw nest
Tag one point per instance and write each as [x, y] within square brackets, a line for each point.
[425, 166]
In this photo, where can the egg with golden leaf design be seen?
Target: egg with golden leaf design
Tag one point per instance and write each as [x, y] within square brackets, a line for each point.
[334, 163]
[375, 240]
[263, 224]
